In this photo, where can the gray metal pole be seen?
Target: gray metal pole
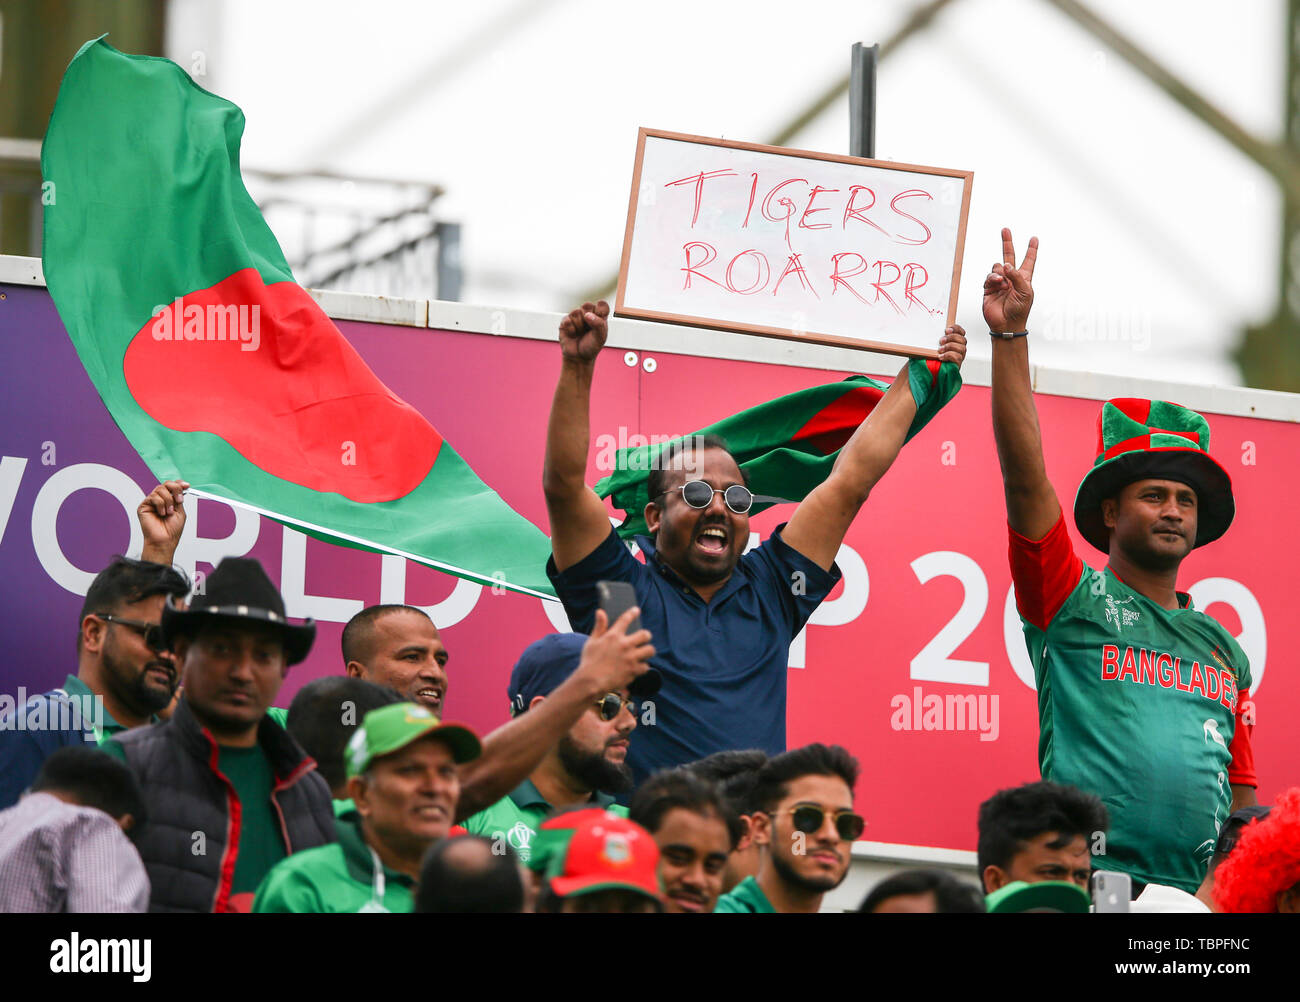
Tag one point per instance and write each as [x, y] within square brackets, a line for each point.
[448, 265]
[862, 100]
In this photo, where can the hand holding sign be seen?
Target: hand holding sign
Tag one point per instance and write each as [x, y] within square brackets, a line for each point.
[1008, 292]
[583, 331]
[952, 346]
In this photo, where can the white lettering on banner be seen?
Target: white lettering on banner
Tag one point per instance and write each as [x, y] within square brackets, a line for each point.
[293, 586]
[840, 611]
[11, 475]
[556, 614]
[450, 611]
[45, 517]
[194, 549]
[1013, 635]
[1254, 635]
[932, 663]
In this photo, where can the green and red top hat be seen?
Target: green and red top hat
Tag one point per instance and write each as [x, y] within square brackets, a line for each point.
[605, 852]
[1153, 439]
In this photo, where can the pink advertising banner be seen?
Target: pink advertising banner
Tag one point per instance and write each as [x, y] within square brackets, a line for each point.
[915, 662]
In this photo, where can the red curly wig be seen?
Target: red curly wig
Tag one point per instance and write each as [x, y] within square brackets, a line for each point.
[1265, 862]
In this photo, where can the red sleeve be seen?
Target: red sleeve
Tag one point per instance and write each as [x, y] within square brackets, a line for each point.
[1045, 571]
[1241, 770]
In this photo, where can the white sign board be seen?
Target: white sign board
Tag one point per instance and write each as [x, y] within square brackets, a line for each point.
[793, 244]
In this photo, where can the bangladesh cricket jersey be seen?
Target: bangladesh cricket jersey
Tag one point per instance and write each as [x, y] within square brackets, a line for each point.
[516, 817]
[1137, 704]
[345, 876]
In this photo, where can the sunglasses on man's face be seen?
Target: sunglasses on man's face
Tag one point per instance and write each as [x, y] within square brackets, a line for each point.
[698, 494]
[610, 703]
[808, 818]
[151, 632]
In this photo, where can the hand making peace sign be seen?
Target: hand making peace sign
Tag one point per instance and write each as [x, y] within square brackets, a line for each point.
[1008, 292]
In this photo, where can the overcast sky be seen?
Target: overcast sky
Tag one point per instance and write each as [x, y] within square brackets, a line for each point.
[1154, 232]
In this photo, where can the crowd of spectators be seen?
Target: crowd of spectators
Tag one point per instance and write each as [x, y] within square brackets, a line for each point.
[352, 800]
[645, 766]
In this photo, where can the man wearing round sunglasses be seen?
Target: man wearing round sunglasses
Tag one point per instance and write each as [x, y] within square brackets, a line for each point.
[807, 826]
[722, 619]
[123, 678]
[588, 764]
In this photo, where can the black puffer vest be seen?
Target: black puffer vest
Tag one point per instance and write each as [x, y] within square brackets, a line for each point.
[176, 765]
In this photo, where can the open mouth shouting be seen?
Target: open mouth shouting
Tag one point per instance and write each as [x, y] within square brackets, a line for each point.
[713, 540]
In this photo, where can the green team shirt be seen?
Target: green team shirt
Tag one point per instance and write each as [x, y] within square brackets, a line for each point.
[345, 876]
[517, 816]
[745, 898]
[261, 844]
[1136, 704]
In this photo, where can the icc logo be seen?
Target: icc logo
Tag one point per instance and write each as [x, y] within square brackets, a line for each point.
[520, 838]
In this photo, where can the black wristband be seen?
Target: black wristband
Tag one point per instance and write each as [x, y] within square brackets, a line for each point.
[1008, 335]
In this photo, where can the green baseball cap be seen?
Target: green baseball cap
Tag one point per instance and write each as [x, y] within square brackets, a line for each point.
[1040, 896]
[393, 727]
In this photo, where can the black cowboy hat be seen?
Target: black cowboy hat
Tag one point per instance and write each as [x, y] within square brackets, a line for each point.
[239, 589]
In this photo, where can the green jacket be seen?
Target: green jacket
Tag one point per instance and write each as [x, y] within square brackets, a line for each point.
[346, 876]
[745, 898]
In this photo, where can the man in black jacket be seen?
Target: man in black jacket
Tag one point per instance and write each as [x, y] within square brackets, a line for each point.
[229, 792]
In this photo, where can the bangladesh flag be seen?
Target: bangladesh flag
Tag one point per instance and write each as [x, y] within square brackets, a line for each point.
[217, 366]
[787, 446]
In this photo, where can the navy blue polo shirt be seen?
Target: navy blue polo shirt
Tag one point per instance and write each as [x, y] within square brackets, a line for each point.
[724, 662]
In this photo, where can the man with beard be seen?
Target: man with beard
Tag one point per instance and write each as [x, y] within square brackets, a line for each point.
[1142, 699]
[399, 647]
[806, 822]
[586, 765]
[723, 622]
[123, 678]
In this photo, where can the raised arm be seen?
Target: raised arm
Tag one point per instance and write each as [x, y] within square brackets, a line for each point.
[1032, 505]
[818, 525]
[611, 659]
[162, 517]
[579, 522]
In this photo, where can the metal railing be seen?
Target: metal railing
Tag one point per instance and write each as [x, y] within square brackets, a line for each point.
[351, 234]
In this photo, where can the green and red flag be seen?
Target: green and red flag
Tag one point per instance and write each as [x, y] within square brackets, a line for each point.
[787, 446]
[217, 366]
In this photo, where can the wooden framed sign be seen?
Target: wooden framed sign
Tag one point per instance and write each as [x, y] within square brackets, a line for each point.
[793, 244]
